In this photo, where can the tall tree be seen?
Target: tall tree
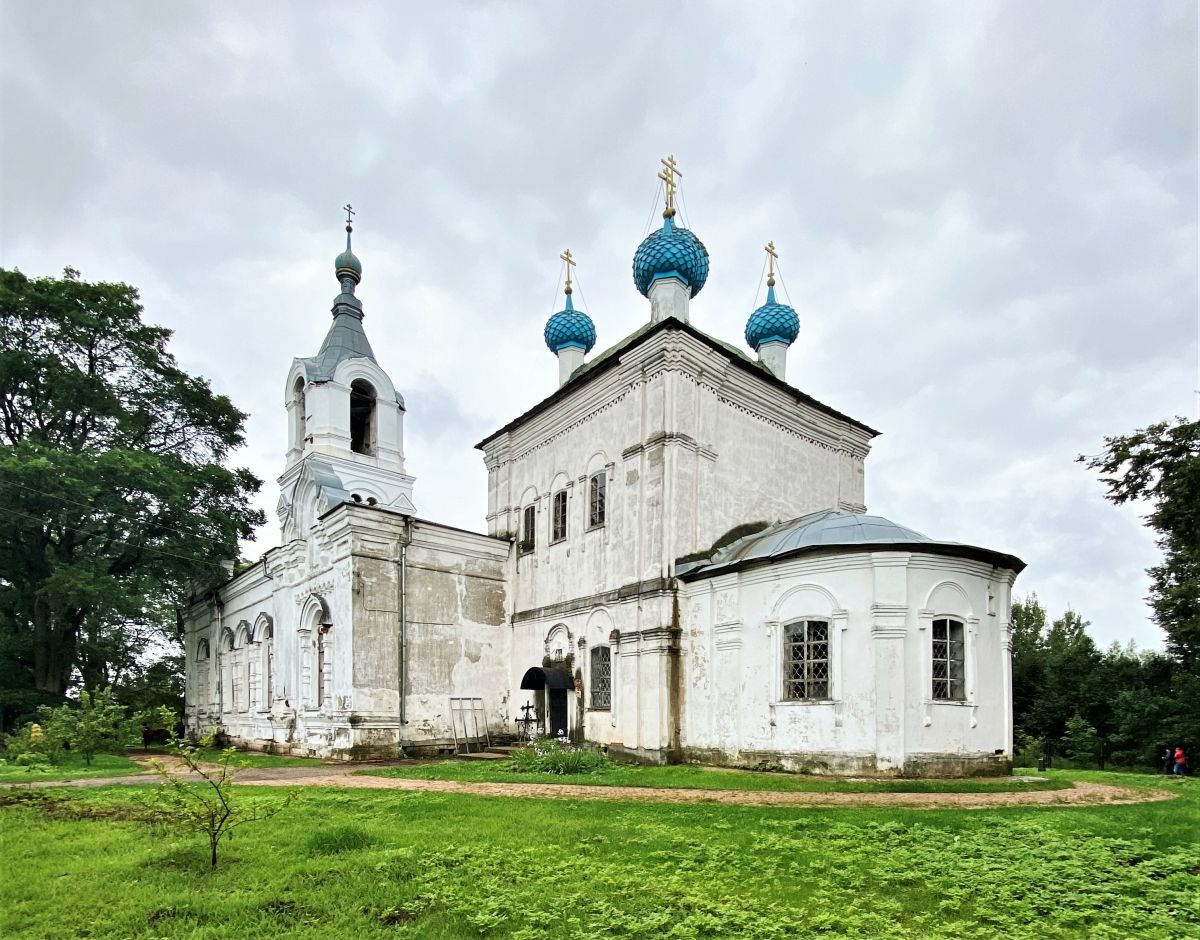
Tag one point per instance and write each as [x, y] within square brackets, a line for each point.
[114, 498]
[1161, 465]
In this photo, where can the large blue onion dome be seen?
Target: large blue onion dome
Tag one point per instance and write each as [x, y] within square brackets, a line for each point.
[570, 327]
[772, 321]
[347, 264]
[671, 251]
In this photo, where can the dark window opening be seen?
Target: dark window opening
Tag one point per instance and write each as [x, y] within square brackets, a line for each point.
[949, 661]
[529, 520]
[558, 524]
[362, 417]
[601, 677]
[597, 494]
[806, 660]
[299, 416]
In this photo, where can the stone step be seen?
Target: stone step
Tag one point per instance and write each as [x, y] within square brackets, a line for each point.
[483, 755]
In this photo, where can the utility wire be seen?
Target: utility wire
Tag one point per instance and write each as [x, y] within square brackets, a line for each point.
[758, 289]
[653, 206]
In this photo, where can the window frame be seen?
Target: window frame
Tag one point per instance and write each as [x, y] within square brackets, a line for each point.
[527, 540]
[597, 493]
[807, 662]
[948, 625]
[600, 673]
[558, 517]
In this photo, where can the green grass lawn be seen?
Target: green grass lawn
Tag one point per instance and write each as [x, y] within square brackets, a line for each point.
[703, 778]
[71, 767]
[346, 863]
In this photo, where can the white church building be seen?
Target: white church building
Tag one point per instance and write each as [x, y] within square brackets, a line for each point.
[678, 566]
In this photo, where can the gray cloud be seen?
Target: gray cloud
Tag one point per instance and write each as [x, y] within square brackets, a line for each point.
[987, 215]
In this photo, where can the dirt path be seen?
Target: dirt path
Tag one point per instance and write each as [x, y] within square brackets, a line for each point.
[1082, 792]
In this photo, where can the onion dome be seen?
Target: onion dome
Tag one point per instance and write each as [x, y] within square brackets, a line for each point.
[570, 327]
[347, 264]
[772, 322]
[672, 251]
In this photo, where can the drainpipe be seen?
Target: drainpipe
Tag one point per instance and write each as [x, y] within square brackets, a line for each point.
[400, 588]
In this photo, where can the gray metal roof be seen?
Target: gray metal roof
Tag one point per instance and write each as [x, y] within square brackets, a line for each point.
[832, 530]
[346, 339]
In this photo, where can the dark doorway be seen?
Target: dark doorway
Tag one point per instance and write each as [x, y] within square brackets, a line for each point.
[558, 712]
[553, 682]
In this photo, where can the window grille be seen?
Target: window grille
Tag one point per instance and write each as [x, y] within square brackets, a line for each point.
[949, 660]
[597, 495]
[601, 677]
[806, 660]
[527, 529]
[558, 523]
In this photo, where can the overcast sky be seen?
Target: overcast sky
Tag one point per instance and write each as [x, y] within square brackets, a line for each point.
[987, 216]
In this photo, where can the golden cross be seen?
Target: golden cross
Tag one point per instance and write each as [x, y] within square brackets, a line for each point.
[667, 174]
[772, 257]
[570, 263]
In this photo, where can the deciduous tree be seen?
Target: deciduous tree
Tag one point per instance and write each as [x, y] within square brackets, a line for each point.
[114, 495]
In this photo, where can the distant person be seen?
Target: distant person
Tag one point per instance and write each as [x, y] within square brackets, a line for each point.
[1180, 762]
[1168, 761]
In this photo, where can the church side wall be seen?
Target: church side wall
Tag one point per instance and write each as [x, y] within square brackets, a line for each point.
[880, 717]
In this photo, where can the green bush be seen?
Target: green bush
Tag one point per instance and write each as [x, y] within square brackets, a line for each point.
[96, 723]
[551, 756]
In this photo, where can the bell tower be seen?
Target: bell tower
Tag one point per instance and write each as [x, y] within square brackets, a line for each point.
[345, 419]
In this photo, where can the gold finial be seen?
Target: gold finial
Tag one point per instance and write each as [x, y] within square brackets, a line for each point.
[772, 257]
[667, 174]
[570, 263]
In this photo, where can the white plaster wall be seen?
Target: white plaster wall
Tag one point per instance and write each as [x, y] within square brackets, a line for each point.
[881, 710]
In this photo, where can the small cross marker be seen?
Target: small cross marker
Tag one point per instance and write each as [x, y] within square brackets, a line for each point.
[667, 174]
[570, 263]
[772, 257]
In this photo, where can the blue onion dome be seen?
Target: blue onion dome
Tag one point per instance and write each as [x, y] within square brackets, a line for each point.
[772, 321]
[347, 264]
[672, 251]
[570, 327]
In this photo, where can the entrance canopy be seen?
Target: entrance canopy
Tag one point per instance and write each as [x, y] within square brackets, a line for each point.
[550, 677]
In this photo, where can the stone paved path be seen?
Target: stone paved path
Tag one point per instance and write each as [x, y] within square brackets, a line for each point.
[1081, 793]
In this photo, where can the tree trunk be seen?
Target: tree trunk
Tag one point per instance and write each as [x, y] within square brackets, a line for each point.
[53, 651]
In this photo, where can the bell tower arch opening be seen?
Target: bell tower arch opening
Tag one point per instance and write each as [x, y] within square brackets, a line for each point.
[362, 417]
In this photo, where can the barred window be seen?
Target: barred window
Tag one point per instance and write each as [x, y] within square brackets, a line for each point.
[527, 529]
[597, 495]
[806, 660]
[558, 517]
[949, 661]
[601, 677]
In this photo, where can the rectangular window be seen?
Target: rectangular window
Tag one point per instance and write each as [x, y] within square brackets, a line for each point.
[597, 493]
[806, 660]
[527, 529]
[949, 660]
[558, 518]
[601, 677]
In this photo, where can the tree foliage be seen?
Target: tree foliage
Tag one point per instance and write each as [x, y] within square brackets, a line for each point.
[1161, 465]
[1093, 705]
[114, 497]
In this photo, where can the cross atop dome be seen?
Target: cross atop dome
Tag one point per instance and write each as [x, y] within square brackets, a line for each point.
[569, 262]
[667, 174]
[772, 257]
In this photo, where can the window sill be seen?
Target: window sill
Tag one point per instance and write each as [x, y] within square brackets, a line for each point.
[949, 701]
[599, 708]
[557, 541]
[594, 527]
[806, 701]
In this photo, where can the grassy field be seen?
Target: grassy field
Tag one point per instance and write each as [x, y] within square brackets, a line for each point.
[703, 778]
[71, 767]
[435, 865]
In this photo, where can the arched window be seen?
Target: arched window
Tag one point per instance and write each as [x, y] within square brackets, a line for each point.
[558, 516]
[201, 678]
[362, 417]
[948, 657]
[323, 666]
[227, 694]
[528, 529]
[597, 498]
[299, 413]
[601, 677]
[267, 655]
